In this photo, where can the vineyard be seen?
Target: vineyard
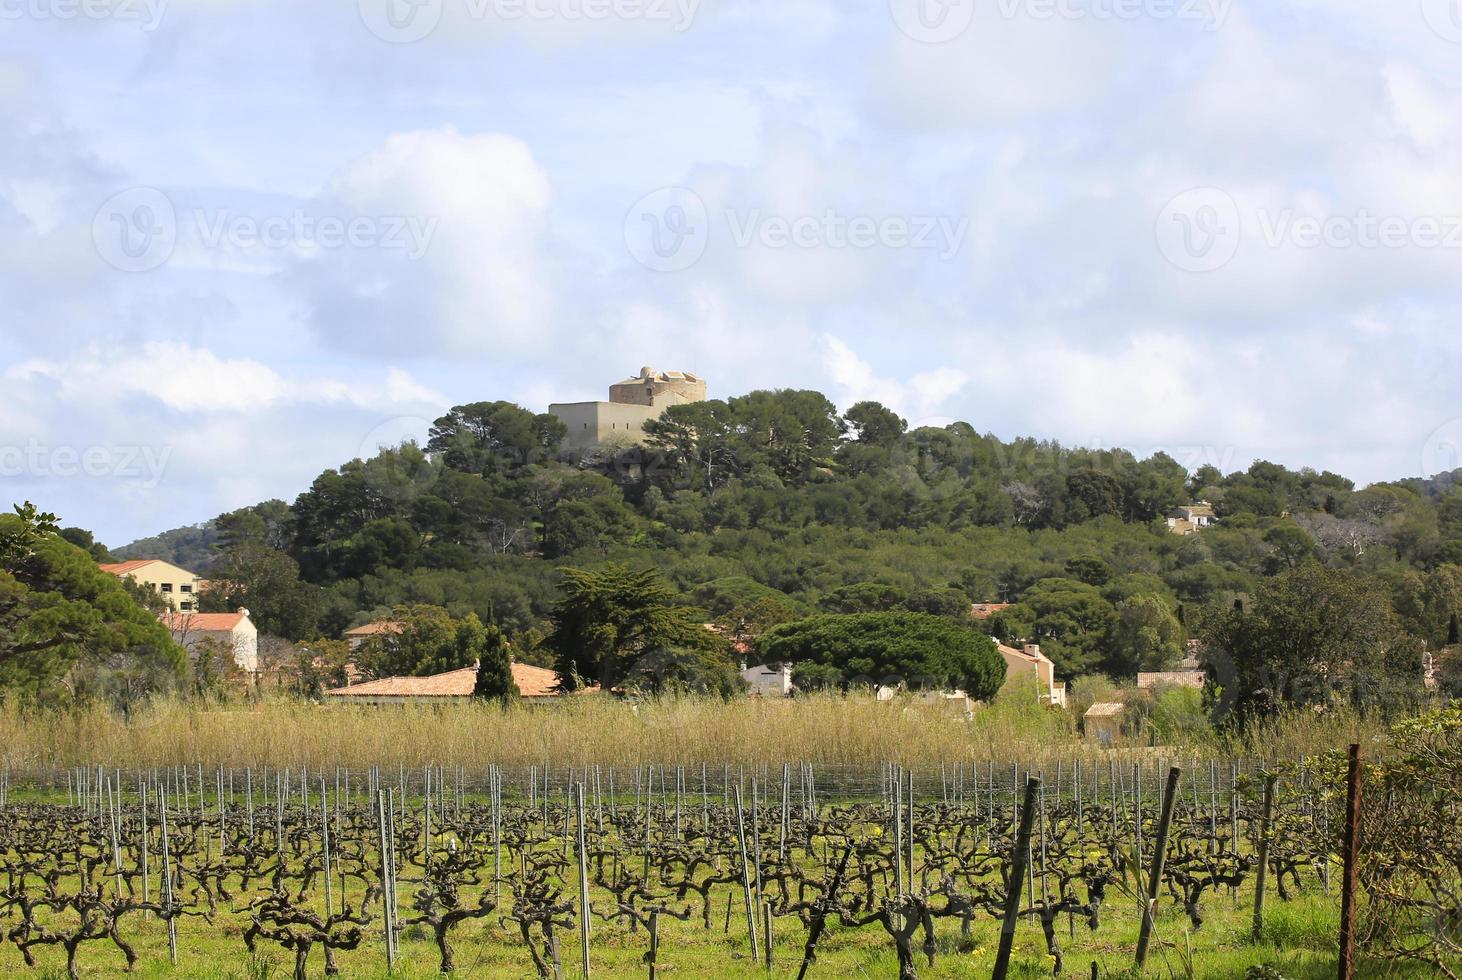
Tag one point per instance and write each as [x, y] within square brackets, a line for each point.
[947, 871]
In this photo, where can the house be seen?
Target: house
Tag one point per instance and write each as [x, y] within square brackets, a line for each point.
[1192, 518]
[232, 631]
[632, 402]
[536, 685]
[1029, 663]
[1149, 681]
[178, 586]
[355, 637]
[958, 702]
[984, 610]
[768, 681]
[1104, 722]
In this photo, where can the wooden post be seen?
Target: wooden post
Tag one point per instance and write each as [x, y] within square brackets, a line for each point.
[1017, 878]
[1159, 858]
[1263, 871]
[1352, 862]
[654, 941]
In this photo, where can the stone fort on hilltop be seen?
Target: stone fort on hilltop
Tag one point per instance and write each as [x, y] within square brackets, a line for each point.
[632, 402]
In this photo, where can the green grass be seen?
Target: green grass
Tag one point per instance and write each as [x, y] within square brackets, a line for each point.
[1299, 942]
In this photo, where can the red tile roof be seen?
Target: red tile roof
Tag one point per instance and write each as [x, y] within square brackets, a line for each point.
[125, 567]
[533, 682]
[376, 628]
[193, 622]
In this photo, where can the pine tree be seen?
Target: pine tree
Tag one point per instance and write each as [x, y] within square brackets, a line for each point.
[495, 670]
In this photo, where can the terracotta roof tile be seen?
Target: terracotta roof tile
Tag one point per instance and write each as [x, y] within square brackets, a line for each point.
[1177, 678]
[376, 628]
[202, 622]
[533, 682]
[125, 567]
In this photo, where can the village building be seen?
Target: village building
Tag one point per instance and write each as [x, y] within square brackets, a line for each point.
[1152, 680]
[1103, 722]
[1029, 665]
[1192, 518]
[233, 632]
[178, 586]
[632, 402]
[768, 681]
[536, 685]
[984, 610]
[355, 637]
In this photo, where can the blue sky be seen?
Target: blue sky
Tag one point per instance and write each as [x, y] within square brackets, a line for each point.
[244, 240]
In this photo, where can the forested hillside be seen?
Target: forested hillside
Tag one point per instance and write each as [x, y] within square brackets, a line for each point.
[774, 505]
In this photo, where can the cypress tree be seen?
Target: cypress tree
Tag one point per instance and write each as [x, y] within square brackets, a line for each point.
[495, 670]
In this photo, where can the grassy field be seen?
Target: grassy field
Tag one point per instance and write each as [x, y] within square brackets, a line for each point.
[1299, 943]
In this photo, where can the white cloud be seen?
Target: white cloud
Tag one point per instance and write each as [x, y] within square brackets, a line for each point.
[1061, 139]
[922, 397]
[471, 211]
[196, 381]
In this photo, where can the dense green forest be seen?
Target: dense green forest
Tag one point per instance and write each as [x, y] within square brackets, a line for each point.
[774, 506]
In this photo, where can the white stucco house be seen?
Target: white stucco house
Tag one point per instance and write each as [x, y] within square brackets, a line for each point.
[768, 680]
[233, 631]
[1029, 663]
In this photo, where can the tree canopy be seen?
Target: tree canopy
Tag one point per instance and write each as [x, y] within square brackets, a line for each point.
[61, 616]
[916, 650]
[608, 620]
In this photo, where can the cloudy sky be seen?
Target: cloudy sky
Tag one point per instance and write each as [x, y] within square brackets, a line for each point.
[244, 240]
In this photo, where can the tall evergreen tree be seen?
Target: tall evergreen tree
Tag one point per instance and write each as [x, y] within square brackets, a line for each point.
[495, 669]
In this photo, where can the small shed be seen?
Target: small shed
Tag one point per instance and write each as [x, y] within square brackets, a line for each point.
[768, 681]
[1104, 722]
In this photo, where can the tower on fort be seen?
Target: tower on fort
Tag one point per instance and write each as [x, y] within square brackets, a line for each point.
[632, 402]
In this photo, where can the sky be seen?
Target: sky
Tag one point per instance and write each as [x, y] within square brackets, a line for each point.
[242, 241]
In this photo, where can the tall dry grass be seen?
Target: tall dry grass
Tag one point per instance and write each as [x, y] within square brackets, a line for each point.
[824, 730]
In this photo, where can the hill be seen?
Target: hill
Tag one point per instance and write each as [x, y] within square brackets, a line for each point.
[188, 547]
[768, 506]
